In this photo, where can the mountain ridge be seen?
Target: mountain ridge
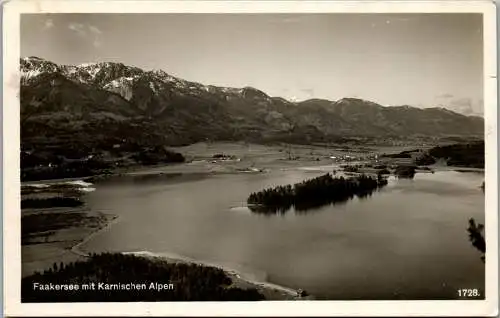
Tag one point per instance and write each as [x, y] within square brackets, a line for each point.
[162, 73]
[93, 99]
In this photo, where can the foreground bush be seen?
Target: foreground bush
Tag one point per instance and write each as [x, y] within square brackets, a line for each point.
[476, 236]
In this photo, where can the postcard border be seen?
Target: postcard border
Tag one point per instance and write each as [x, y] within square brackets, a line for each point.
[11, 165]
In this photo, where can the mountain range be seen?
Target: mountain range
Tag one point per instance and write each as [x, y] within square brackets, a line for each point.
[98, 105]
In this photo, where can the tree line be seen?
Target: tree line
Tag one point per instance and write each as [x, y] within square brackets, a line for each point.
[461, 155]
[191, 282]
[54, 163]
[469, 154]
[43, 203]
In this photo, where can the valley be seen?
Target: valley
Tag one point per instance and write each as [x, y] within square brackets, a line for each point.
[108, 115]
[115, 159]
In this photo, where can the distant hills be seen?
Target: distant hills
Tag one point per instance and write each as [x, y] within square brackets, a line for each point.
[99, 105]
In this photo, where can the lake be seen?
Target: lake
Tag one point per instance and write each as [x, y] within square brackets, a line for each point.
[406, 241]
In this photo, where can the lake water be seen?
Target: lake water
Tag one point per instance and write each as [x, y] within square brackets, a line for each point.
[406, 241]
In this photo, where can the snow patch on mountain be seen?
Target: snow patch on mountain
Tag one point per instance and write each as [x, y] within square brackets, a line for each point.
[70, 70]
[122, 86]
[153, 87]
[119, 82]
[27, 74]
[231, 90]
[91, 68]
[32, 67]
[164, 76]
[85, 65]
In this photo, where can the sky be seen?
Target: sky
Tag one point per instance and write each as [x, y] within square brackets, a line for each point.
[423, 60]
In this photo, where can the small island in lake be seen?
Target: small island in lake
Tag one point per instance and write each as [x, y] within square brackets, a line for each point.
[314, 193]
[407, 172]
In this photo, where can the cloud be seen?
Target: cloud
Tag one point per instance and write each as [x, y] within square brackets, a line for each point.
[78, 28]
[89, 32]
[48, 24]
[464, 105]
[94, 29]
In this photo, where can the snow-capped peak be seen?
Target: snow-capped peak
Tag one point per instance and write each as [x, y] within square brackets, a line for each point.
[33, 66]
[85, 65]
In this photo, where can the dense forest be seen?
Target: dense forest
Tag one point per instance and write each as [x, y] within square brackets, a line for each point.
[64, 161]
[45, 166]
[469, 154]
[461, 155]
[189, 282]
[313, 193]
[41, 203]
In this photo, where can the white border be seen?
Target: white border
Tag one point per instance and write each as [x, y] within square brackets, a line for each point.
[11, 183]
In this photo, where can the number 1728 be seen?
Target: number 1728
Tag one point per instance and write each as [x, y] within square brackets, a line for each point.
[466, 292]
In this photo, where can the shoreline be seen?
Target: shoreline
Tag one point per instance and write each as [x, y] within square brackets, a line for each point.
[75, 249]
[236, 276]
[254, 158]
[185, 169]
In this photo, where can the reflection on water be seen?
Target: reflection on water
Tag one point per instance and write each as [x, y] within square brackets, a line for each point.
[305, 207]
[406, 241]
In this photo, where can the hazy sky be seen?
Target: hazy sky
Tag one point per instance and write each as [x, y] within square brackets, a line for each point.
[393, 59]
